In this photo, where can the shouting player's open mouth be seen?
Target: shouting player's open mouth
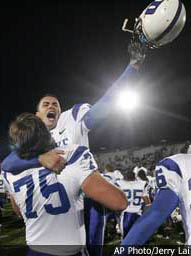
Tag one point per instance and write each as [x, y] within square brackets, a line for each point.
[51, 115]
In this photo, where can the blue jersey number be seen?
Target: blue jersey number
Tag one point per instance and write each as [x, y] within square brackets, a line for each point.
[153, 6]
[46, 191]
[135, 194]
[160, 178]
[28, 181]
[128, 195]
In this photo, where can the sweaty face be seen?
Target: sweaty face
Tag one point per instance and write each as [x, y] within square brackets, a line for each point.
[49, 111]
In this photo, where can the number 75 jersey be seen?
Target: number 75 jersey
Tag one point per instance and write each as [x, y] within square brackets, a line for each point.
[49, 202]
[175, 173]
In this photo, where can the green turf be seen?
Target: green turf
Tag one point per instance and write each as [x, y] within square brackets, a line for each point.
[13, 228]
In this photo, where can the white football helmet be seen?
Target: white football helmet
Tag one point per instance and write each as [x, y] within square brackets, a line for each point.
[137, 169]
[143, 169]
[160, 23]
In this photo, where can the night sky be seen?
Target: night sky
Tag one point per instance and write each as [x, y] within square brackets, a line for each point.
[76, 49]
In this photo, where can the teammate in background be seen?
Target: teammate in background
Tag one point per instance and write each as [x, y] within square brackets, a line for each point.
[136, 192]
[152, 191]
[112, 175]
[141, 173]
[49, 202]
[173, 181]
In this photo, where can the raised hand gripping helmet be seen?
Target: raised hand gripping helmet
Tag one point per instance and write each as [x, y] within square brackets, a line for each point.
[160, 23]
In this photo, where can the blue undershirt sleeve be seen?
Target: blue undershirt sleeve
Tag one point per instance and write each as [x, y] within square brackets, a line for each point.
[102, 107]
[166, 201]
[12, 163]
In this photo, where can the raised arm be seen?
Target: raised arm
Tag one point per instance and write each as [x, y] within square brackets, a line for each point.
[103, 106]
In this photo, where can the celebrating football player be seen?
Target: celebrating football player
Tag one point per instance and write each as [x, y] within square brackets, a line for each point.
[49, 202]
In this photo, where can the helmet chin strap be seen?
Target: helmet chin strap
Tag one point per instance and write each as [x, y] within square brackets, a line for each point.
[124, 27]
[137, 33]
[138, 30]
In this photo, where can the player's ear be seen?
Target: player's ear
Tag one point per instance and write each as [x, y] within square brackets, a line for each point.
[37, 113]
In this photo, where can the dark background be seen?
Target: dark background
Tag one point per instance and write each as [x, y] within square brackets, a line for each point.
[76, 49]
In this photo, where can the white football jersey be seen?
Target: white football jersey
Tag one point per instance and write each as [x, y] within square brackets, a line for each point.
[113, 177]
[118, 175]
[110, 177]
[71, 128]
[49, 202]
[151, 182]
[175, 173]
[135, 191]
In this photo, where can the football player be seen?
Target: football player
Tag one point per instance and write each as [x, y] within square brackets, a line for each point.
[49, 202]
[173, 182]
[137, 193]
[73, 125]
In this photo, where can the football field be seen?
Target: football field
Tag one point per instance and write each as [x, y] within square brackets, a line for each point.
[12, 235]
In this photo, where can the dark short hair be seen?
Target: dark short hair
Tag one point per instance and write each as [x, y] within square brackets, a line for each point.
[130, 176]
[142, 175]
[29, 136]
[46, 95]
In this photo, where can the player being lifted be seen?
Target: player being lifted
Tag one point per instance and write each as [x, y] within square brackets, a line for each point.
[49, 202]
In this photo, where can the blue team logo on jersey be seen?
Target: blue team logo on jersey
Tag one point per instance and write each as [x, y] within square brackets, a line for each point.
[63, 142]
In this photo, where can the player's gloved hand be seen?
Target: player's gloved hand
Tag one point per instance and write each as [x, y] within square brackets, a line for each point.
[53, 160]
[137, 51]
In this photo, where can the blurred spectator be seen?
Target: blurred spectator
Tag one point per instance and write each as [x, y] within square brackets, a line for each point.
[186, 148]
[146, 157]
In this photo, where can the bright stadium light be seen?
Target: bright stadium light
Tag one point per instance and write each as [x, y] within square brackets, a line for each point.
[128, 100]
